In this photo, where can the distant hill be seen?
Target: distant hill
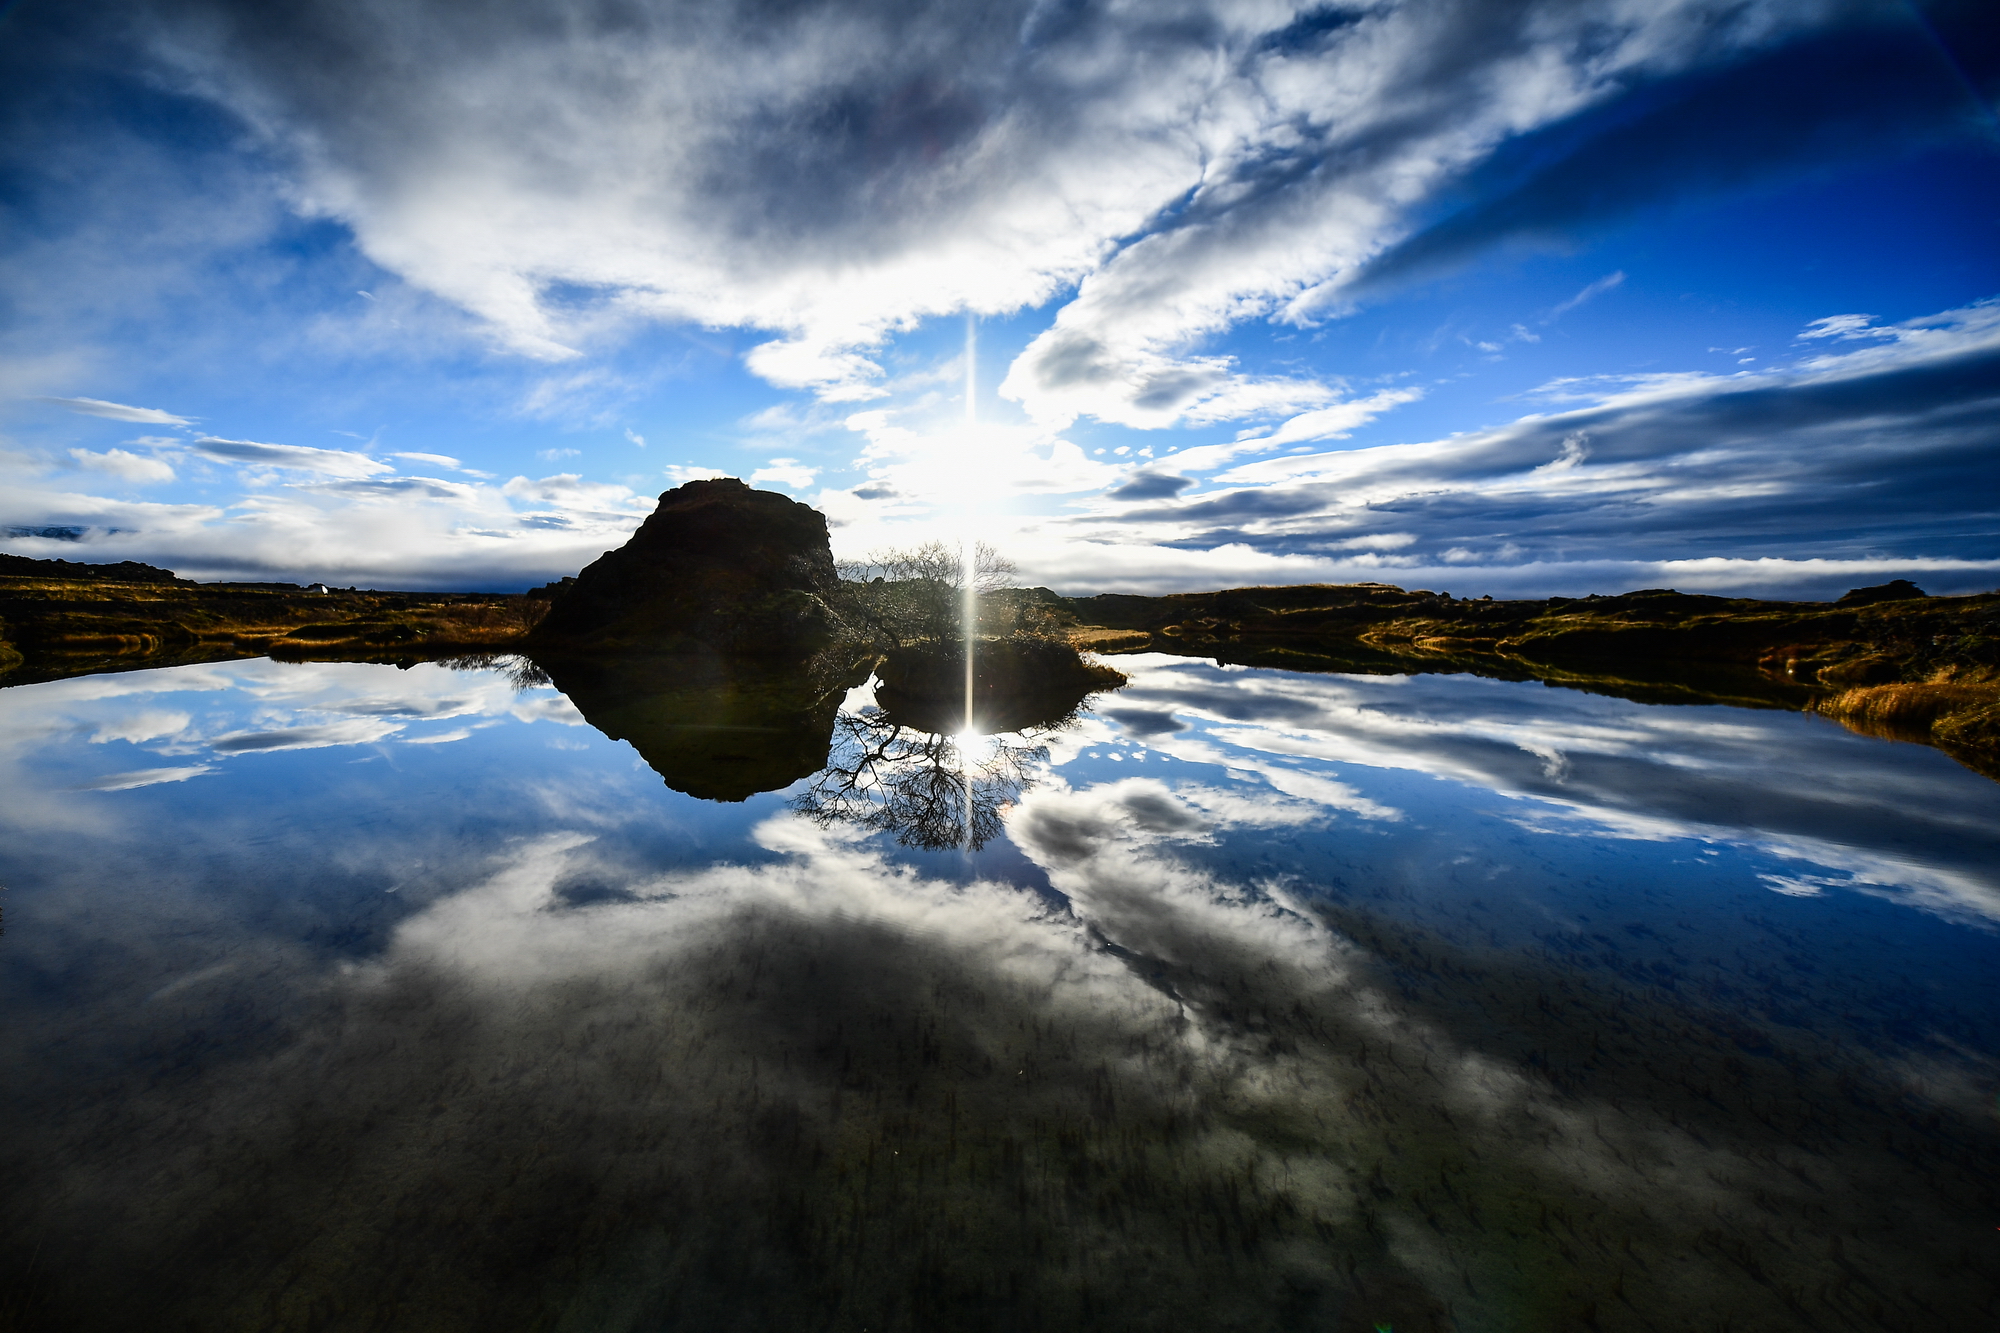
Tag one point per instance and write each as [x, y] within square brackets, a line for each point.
[125, 571]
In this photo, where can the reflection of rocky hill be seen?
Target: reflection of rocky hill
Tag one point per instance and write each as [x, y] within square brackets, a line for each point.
[716, 728]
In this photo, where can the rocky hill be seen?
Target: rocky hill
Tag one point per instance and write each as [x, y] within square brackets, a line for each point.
[717, 567]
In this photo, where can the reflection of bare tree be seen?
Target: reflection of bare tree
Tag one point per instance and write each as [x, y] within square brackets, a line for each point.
[524, 673]
[932, 791]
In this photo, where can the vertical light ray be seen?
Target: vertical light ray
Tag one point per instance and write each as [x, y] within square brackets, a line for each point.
[968, 565]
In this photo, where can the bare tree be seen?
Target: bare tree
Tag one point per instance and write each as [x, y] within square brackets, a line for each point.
[917, 594]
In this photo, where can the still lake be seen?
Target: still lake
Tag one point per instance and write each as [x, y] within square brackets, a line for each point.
[337, 996]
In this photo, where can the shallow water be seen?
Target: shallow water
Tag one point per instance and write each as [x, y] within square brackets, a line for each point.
[343, 997]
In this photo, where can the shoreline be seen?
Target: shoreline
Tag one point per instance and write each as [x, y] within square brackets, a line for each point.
[1887, 661]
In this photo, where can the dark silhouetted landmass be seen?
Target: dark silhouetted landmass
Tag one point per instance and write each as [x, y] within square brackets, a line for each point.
[125, 571]
[717, 567]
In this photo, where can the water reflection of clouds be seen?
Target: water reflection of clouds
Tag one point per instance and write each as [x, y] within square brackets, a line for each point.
[248, 707]
[162, 728]
[762, 1037]
[1884, 819]
[509, 1045]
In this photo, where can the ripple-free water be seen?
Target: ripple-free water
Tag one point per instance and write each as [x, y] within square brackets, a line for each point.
[343, 997]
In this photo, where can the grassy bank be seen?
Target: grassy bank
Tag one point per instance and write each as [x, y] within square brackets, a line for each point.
[1886, 661]
[1889, 662]
[53, 627]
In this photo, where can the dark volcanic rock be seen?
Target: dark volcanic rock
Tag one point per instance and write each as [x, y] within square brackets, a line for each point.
[717, 567]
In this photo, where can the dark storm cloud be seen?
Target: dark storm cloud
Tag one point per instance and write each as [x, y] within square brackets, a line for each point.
[1150, 486]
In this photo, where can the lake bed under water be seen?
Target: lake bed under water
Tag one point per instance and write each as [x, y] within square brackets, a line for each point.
[337, 996]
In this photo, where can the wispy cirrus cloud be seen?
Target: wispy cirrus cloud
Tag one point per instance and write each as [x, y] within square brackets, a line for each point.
[1609, 282]
[145, 777]
[98, 407]
[1874, 78]
[295, 457]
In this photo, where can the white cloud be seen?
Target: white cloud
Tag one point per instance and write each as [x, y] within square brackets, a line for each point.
[680, 474]
[351, 731]
[381, 531]
[124, 464]
[833, 175]
[569, 491]
[1635, 484]
[787, 472]
[1840, 326]
[145, 777]
[97, 407]
[968, 465]
[1792, 471]
[436, 460]
[1338, 421]
[148, 724]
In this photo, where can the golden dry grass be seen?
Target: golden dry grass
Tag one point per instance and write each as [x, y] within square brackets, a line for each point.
[1956, 712]
[1098, 639]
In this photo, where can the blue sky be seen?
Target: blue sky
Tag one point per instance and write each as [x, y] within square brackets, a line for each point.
[1517, 299]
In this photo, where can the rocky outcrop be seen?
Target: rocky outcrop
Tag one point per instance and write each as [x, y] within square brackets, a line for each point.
[1895, 590]
[718, 567]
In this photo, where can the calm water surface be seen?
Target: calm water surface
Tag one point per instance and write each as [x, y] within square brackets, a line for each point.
[342, 997]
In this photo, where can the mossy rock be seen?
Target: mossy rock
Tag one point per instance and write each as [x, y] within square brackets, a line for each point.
[1017, 683]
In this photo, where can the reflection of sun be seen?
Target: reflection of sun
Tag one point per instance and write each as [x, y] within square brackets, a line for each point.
[974, 747]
